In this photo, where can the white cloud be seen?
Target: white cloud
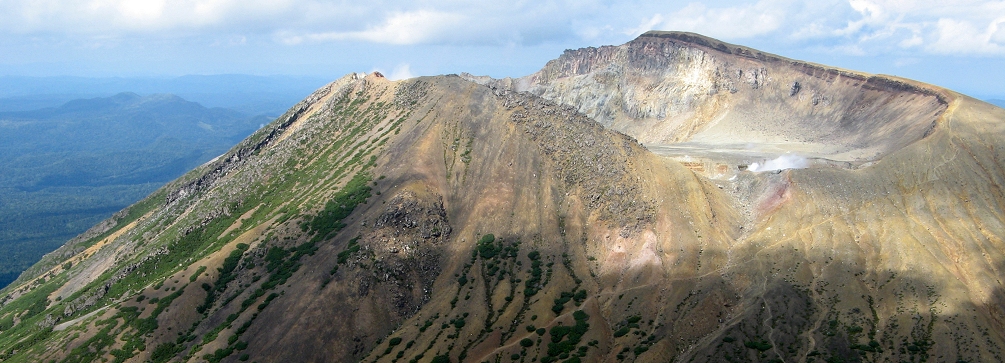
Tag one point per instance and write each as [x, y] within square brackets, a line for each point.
[401, 28]
[865, 27]
[655, 22]
[299, 21]
[116, 17]
[737, 22]
[884, 26]
[850, 27]
[957, 36]
[997, 31]
[871, 14]
[913, 41]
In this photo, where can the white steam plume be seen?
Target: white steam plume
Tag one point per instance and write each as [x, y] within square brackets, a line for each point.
[787, 161]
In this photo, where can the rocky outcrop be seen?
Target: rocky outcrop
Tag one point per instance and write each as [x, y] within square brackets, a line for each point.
[671, 87]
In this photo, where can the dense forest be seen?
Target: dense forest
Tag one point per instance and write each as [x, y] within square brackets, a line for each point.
[64, 169]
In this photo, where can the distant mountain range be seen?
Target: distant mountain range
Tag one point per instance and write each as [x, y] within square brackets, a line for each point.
[63, 169]
[245, 93]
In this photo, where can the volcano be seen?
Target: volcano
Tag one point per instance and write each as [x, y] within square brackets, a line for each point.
[675, 198]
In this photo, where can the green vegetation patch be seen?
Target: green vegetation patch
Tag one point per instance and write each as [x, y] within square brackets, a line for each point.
[198, 272]
[487, 249]
[281, 263]
[226, 275]
[329, 220]
[564, 339]
[533, 284]
[352, 248]
[760, 345]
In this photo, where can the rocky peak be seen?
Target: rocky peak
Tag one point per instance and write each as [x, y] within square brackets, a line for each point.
[683, 94]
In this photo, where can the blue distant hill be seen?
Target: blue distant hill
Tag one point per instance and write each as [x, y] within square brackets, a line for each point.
[63, 169]
[245, 93]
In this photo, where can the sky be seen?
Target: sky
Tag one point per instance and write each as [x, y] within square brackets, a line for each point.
[959, 44]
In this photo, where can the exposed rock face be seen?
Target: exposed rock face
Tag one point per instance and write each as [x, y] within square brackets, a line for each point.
[406, 224]
[437, 219]
[667, 87]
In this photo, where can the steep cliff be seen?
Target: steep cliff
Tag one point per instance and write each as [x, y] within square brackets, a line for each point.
[673, 88]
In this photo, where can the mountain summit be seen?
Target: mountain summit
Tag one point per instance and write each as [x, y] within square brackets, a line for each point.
[614, 206]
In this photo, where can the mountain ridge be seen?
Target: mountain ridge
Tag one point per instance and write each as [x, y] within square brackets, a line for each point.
[679, 88]
[439, 220]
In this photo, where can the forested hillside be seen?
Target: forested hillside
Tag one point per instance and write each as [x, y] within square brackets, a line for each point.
[66, 168]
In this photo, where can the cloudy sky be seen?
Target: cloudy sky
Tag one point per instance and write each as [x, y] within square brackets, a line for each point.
[955, 43]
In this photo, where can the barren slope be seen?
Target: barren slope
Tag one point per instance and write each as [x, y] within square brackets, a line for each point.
[683, 94]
